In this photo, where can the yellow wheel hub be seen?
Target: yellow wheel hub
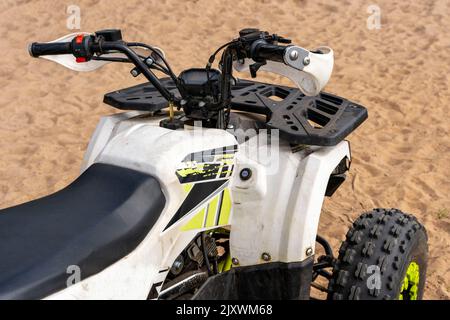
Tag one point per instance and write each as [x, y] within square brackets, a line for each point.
[410, 284]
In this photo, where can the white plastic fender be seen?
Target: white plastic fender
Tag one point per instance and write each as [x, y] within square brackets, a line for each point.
[278, 212]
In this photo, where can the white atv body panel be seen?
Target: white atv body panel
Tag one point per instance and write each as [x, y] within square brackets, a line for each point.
[276, 211]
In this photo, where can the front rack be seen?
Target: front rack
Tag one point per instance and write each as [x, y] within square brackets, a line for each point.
[322, 120]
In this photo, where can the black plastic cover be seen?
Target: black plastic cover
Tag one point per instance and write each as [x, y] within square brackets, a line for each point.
[322, 120]
[268, 281]
[200, 82]
[110, 34]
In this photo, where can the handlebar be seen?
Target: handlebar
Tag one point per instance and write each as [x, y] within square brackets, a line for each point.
[84, 47]
[140, 65]
[260, 46]
[37, 49]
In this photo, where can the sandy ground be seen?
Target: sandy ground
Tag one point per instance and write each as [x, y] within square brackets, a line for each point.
[401, 73]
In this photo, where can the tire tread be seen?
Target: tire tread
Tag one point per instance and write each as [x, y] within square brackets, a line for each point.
[379, 237]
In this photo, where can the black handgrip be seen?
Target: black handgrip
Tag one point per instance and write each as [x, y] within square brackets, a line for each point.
[52, 48]
[266, 51]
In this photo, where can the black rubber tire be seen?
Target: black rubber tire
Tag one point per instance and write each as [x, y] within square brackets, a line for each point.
[387, 238]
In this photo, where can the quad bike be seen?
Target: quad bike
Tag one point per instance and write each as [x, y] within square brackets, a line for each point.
[208, 187]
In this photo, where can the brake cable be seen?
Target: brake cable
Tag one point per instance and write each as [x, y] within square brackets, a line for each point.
[155, 65]
[143, 45]
[205, 253]
[213, 56]
[208, 68]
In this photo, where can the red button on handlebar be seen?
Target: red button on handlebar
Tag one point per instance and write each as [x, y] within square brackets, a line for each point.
[79, 38]
[80, 59]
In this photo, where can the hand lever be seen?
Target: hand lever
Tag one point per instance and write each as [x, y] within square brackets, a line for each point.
[281, 39]
[255, 67]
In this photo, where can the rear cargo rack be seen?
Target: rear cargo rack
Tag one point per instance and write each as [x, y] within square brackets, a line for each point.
[322, 120]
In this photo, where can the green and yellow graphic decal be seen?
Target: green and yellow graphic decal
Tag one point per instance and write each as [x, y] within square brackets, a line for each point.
[204, 177]
[207, 165]
[214, 213]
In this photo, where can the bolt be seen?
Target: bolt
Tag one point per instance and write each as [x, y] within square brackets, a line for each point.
[134, 73]
[149, 61]
[245, 174]
[230, 126]
[266, 257]
[309, 251]
[235, 261]
[293, 55]
[306, 61]
[178, 265]
[201, 104]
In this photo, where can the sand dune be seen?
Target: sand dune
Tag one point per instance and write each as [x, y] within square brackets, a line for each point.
[401, 72]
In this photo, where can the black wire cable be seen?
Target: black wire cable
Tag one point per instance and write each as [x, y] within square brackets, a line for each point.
[213, 56]
[143, 45]
[156, 66]
[144, 58]
[215, 266]
[211, 61]
[111, 59]
[326, 246]
[164, 70]
[159, 66]
[205, 253]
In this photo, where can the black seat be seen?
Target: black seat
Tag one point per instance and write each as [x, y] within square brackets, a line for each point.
[95, 221]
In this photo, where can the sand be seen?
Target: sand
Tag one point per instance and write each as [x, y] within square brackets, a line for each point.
[401, 73]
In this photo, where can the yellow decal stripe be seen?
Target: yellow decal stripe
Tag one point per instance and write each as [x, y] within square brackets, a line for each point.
[196, 221]
[187, 187]
[207, 218]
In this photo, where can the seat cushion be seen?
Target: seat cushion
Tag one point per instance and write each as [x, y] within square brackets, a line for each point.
[95, 221]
